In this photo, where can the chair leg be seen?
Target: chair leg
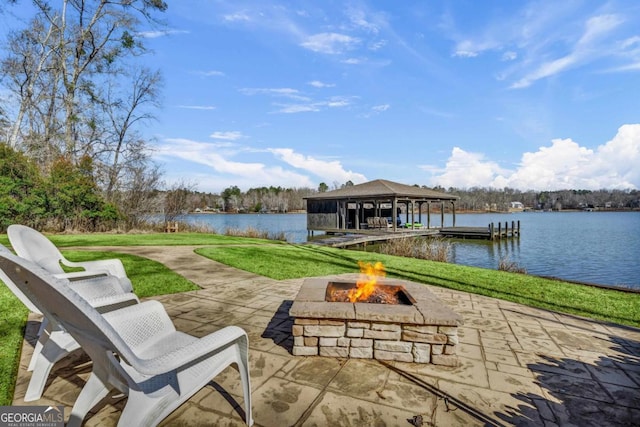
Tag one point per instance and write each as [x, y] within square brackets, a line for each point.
[243, 368]
[43, 336]
[143, 410]
[38, 379]
[55, 346]
[92, 393]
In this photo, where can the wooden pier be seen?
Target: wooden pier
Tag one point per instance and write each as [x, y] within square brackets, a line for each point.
[340, 239]
[343, 240]
[491, 232]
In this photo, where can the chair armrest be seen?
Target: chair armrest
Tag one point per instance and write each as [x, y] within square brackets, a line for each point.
[148, 324]
[81, 275]
[111, 303]
[112, 266]
[77, 276]
[214, 342]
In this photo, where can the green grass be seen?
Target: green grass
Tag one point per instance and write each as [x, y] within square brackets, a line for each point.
[294, 261]
[13, 319]
[149, 239]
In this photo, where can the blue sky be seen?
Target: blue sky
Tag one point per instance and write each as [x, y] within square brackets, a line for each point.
[538, 95]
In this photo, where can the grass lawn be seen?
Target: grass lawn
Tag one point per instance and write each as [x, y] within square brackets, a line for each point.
[150, 239]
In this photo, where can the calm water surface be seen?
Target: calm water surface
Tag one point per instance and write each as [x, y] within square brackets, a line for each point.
[596, 247]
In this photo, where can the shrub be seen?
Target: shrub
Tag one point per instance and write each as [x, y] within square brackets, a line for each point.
[255, 233]
[505, 264]
[433, 249]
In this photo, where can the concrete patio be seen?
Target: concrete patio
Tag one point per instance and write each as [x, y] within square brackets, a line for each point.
[518, 365]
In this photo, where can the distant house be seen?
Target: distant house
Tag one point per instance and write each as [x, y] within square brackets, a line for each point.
[516, 207]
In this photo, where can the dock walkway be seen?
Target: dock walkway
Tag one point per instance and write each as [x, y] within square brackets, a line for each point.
[490, 232]
[342, 239]
[360, 238]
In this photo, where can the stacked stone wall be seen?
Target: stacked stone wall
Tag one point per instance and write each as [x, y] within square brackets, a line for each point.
[376, 340]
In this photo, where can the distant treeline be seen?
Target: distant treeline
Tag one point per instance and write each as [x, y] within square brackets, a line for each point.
[281, 200]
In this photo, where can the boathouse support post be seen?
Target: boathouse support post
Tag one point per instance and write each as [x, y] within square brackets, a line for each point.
[394, 214]
[453, 209]
[413, 208]
[441, 214]
[406, 213]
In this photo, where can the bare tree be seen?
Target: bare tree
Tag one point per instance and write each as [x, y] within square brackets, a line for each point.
[70, 49]
[137, 197]
[176, 200]
[120, 144]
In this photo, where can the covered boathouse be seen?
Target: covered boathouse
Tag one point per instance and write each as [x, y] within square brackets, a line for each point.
[375, 204]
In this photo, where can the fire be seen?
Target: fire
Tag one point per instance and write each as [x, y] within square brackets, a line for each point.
[366, 284]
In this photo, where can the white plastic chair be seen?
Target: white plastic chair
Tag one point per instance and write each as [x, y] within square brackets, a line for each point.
[135, 350]
[54, 343]
[34, 246]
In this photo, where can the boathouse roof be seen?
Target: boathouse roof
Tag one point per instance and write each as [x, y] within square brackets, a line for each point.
[381, 188]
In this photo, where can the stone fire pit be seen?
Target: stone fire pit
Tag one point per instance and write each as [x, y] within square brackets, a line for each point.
[419, 329]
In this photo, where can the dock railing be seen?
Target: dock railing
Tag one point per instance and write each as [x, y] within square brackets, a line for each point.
[505, 233]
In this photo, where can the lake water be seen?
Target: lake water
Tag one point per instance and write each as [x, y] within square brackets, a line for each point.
[594, 247]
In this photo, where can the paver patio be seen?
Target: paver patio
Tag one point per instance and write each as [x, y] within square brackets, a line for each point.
[518, 365]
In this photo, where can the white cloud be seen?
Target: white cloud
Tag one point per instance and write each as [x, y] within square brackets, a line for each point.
[227, 136]
[156, 34]
[629, 51]
[375, 110]
[333, 102]
[210, 73]
[296, 108]
[237, 17]
[509, 56]
[243, 174]
[319, 84]
[327, 170]
[284, 92]
[465, 53]
[562, 165]
[359, 19]
[377, 45]
[588, 48]
[330, 43]
[465, 170]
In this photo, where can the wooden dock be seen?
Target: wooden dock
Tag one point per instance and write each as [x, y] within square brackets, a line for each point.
[491, 232]
[340, 239]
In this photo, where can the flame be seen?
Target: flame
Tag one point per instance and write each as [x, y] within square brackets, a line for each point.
[366, 284]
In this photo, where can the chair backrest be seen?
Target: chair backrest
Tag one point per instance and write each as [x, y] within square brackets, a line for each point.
[34, 246]
[12, 286]
[57, 301]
